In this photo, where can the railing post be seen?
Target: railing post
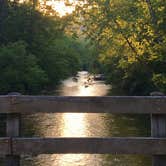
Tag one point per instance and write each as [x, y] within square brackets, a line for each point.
[158, 129]
[13, 130]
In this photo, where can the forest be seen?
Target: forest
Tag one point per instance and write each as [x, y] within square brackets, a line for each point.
[124, 39]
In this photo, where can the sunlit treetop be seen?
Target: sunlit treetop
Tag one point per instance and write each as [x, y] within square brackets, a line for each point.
[50, 7]
[62, 7]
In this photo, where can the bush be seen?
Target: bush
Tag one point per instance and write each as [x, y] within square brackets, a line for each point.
[19, 70]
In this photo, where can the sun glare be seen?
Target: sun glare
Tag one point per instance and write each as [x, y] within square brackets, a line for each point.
[61, 7]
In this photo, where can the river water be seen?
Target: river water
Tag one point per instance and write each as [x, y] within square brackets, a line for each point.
[84, 125]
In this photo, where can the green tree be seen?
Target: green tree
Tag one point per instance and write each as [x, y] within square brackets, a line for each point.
[53, 52]
[19, 70]
[130, 34]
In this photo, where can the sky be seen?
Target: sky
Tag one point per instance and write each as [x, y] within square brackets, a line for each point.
[61, 7]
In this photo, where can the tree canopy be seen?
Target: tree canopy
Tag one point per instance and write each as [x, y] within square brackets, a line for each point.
[130, 38]
[125, 39]
[35, 51]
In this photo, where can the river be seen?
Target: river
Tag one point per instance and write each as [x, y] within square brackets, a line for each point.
[84, 125]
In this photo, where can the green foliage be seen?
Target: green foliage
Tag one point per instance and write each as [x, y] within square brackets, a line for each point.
[130, 38]
[160, 81]
[35, 52]
[126, 40]
[19, 70]
[88, 55]
[60, 59]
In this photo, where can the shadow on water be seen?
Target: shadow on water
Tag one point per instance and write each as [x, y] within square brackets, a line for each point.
[82, 125]
[128, 125]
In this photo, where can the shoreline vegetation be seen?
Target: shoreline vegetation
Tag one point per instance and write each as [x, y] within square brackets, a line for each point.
[124, 40]
[130, 39]
[35, 51]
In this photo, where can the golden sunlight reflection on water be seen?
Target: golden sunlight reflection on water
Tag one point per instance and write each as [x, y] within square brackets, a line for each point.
[75, 125]
[84, 125]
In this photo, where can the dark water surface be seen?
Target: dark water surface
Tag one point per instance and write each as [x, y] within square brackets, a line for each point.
[83, 125]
